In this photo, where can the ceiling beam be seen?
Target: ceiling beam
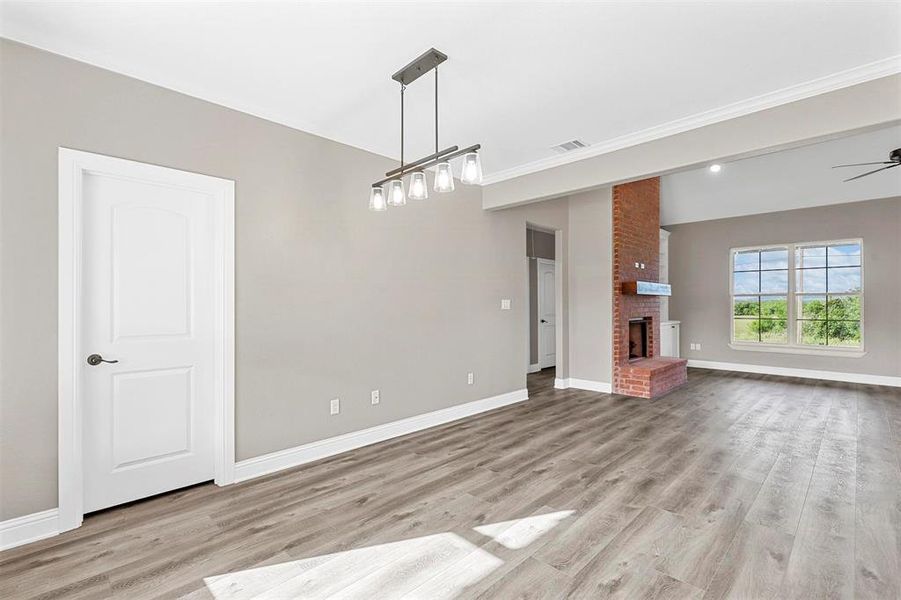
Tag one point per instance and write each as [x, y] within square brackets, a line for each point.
[854, 108]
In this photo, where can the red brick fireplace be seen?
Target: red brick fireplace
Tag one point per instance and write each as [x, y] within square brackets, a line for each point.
[638, 368]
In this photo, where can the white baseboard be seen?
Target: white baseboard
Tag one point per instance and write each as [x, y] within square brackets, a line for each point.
[292, 457]
[44, 524]
[806, 373]
[29, 528]
[583, 384]
[534, 368]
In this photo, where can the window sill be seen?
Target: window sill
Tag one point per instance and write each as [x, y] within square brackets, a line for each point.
[786, 349]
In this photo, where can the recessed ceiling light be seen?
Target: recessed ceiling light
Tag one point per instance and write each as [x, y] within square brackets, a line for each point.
[715, 168]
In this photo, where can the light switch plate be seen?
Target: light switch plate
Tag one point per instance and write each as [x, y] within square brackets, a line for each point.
[505, 304]
[335, 406]
[469, 378]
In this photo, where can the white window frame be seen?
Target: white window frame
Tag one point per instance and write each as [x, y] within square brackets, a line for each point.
[792, 346]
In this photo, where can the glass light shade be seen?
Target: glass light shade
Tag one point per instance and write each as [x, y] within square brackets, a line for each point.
[444, 178]
[377, 199]
[396, 196]
[419, 187]
[472, 168]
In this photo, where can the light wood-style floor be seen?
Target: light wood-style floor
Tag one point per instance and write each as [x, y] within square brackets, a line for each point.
[739, 486]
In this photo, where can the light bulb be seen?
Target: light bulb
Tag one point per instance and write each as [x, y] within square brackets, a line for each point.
[419, 187]
[715, 168]
[444, 178]
[396, 195]
[472, 169]
[377, 199]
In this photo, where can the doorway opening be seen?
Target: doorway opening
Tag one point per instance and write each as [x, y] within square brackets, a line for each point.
[543, 279]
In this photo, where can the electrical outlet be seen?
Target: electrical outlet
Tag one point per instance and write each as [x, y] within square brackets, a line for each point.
[636, 265]
[469, 378]
[335, 406]
[642, 266]
[505, 304]
[698, 346]
[374, 395]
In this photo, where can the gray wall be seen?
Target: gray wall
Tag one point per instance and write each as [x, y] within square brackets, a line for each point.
[332, 300]
[590, 285]
[539, 244]
[699, 274]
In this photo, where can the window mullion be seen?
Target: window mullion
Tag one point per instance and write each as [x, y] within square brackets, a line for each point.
[790, 297]
[759, 299]
[826, 316]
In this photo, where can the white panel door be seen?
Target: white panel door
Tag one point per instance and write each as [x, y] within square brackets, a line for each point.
[547, 314]
[147, 278]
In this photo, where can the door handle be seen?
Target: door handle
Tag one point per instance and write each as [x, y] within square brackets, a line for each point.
[96, 359]
[543, 321]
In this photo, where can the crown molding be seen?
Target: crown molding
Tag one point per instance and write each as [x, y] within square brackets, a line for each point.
[861, 74]
[856, 75]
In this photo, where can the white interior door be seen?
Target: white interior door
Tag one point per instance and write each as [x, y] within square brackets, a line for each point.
[547, 314]
[147, 274]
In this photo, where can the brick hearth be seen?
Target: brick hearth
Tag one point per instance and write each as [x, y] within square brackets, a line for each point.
[636, 239]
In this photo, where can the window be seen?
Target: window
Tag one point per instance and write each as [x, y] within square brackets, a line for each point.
[760, 296]
[805, 296]
[828, 295]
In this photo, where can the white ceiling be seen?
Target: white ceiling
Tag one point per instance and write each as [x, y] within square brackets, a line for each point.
[797, 178]
[522, 76]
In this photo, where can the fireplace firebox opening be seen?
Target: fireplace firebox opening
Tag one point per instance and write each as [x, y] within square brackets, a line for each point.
[638, 338]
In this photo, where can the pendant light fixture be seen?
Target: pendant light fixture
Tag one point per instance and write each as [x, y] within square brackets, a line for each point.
[396, 196]
[472, 169]
[419, 187]
[379, 198]
[444, 177]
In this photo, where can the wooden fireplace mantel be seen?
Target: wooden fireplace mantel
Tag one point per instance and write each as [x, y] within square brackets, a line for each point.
[646, 288]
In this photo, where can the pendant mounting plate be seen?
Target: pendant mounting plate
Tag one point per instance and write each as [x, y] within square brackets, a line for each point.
[427, 61]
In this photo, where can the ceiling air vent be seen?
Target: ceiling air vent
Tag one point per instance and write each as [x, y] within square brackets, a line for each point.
[569, 146]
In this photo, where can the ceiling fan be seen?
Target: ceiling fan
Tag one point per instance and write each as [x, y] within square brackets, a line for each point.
[894, 160]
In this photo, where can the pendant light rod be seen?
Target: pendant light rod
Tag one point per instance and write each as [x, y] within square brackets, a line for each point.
[436, 109]
[433, 162]
[402, 88]
[411, 166]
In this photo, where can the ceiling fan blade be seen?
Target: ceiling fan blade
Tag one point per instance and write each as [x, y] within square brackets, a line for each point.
[886, 162]
[874, 171]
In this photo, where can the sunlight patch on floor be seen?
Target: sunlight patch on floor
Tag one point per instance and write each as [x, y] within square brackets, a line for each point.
[519, 533]
[446, 562]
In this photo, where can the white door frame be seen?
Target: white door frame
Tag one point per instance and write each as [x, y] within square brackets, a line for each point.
[538, 263]
[73, 164]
